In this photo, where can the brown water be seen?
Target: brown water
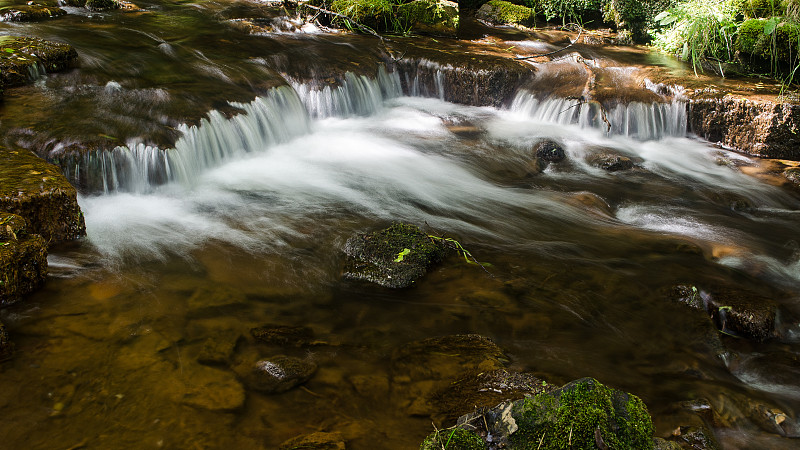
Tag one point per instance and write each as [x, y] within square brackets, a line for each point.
[107, 352]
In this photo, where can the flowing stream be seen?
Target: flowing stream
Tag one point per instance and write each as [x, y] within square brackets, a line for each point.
[242, 223]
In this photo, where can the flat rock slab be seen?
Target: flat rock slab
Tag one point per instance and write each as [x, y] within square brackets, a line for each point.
[23, 260]
[394, 257]
[22, 58]
[36, 190]
[29, 13]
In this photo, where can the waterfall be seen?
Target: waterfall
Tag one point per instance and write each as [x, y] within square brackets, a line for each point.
[643, 121]
[358, 95]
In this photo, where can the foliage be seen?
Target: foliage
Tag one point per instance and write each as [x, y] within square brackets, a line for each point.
[579, 11]
[507, 12]
[372, 13]
[395, 16]
[634, 15]
[453, 439]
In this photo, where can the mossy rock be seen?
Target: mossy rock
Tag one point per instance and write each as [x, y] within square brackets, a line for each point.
[742, 313]
[501, 12]
[23, 259]
[21, 58]
[376, 14]
[395, 257]
[437, 17]
[279, 374]
[35, 189]
[101, 5]
[29, 13]
[453, 439]
[283, 335]
[6, 347]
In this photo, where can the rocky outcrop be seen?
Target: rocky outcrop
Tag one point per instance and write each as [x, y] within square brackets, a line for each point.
[762, 128]
[36, 190]
[29, 13]
[585, 413]
[23, 259]
[395, 257]
[22, 59]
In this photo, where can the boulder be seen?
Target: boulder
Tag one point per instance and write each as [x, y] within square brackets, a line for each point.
[742, 313]
[6, 347]
[610, 161]
[36, 190]
[29, 13]
[279, 374]
[395, 257]
[793, 175]
[584, 413]
[23, 259]
[436, 17]
[500, 12]
[549, 151]
[23, 58]
[101, 5]
[318, 441]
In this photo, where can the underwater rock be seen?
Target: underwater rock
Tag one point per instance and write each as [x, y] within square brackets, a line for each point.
[23, 259]
[743, 313]
[688, 295]
[280, 374]
[36, 190]
[756, 127]
[318, 441]
[395, 257]
[6, 347]
[283, 335]
[499, 12]
[214, 390]
[695, 438]
[213, 301]
[549, 150]
[219, 349]
[29, 13]
[584, 412]
[610, 162]
[22, 59]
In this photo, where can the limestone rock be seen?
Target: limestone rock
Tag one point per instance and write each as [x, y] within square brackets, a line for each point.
[279, 374]
[22, 56]
[36, 190]
[29, 13]
[23, 259]
[395, 257]
[318, 441]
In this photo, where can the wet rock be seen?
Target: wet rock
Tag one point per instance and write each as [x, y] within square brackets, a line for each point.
[318, 440]
[663, 444]
[433, 17]
[395, 257]
[743, 313]
[213, 389]
[757, 127]
[499, 12]
[101, 5]
[6, 347]
[698, 438]
[793, 175]
[23, 259]
[549, 151]
[29, 13]
[280, 374]
[36, 190]
[610, 162]
[218, 350]
[448, 357]
[23, 58]
[283, 335]
[584, 412]
[688, 295]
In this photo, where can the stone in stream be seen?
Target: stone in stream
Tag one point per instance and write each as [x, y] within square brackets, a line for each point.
[500, 12]
[23, 58]
[283, 335]
[431, 17]
[23, 259]
[29, 13]
[317, 441]
[549, 150]
[279, 374]
[395, 257]
[6, 347]
[584, 413]
[610, 161]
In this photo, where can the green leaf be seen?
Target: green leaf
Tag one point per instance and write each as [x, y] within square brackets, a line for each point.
[8, 50]
[665, 18]
[402, 255]
[770, 26]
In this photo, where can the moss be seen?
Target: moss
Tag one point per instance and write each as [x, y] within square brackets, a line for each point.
[375, 14]
[429, 15]
[29, 13]
[581, 415]
[99, 5]
[752, 40]
[453, 439]
[22, 57]
[23, 263]
[500, 11]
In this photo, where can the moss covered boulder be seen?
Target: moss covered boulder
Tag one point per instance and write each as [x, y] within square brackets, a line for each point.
[100, 5]
[22, 59]
[29, 13]
[395, 257]
[36, 190]
[437, 17]
[500, 12]
[583, 414]
[23, 259]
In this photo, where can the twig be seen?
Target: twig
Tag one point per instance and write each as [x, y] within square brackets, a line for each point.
[580, 32]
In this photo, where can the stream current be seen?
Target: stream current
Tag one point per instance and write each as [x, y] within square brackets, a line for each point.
[243, 223]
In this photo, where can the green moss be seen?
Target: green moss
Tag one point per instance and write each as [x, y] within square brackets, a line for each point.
[430, 15]
[507, 12]
[752, 39]
[99, 5]
[579, 415]
[376, 14]
[29, 13]
[453, 439]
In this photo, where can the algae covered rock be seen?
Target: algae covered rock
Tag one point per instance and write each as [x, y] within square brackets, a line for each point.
[610, 161]
[280, 374]
[6, 347]
[22, 58]
[23, 259]
[394, 257]
[36, 190]
[29, 13]
[100, 5]
[501, 12]
[742, 313]
[439, 17]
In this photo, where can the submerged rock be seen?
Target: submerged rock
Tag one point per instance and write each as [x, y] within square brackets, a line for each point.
[699, 438]
[318, 441]
[280, 374]
[395, 257]
[29, 13]
[610, 162]
[584, 413]
[23, 259]
[6, 347]
[36, 190]
[283, 335]
[743, 313]
[213, 389]
[23, 58]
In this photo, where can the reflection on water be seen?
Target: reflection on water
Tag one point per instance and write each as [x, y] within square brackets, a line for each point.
[141, 335]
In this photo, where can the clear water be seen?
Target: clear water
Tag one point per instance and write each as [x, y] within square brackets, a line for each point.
[245, 222]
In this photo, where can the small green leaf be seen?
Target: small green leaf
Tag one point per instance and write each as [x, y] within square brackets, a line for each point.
[8, 50]
[402, 255]
[770, 26]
